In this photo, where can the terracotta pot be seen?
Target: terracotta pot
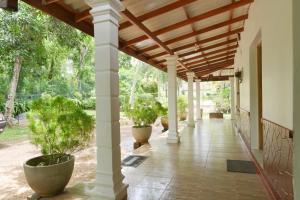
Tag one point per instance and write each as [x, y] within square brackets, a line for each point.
[216, 115]
[164, 122]
[48, 181]
[182, 116]
[142, 134]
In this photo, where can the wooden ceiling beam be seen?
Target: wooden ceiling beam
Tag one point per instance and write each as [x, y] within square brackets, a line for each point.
[82, 16]
[214, 68]
[215, 78]
[194, 52]
[130, 17]
[203, 16]
[194, 32]
[211, 58]
[157, 12]
[210, 53]
[216, 37]
[211, 62]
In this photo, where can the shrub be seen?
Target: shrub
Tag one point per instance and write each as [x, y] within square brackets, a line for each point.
[89, 104]
[59, 126]
[143, 112]
[182, 104]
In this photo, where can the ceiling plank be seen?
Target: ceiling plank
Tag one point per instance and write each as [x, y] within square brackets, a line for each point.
[130, 17]
[210, 53]
[194, 52]
[212, 62]
[157, 12]
[211, 58]
[194, 32]
[208, 67]
[216, 37]
[203, 16]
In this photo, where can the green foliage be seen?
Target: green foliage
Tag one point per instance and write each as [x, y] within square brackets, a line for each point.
[181, 104]
[143, 112]
[59, 125]
[21, 107]
[149, 86]
[161, 110]
[89, 104]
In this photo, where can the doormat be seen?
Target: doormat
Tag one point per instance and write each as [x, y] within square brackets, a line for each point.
[133, 160]
[241, 166]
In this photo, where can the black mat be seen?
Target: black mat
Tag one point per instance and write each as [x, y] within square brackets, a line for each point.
[133, 160]
[241, 166]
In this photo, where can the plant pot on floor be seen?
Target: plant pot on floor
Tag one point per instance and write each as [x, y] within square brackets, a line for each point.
[48, 180]
[182, 116]
[141, 134]
[165, 123]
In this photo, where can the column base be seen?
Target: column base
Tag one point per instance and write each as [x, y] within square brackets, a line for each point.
[101, 192]
[191, 124]
[173, 138]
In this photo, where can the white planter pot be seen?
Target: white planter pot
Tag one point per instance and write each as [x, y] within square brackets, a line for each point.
[142, 135]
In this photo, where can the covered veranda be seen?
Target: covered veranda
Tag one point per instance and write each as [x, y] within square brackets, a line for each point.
[191, 40]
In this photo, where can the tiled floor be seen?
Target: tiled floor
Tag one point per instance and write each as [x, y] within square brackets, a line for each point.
[195, 169]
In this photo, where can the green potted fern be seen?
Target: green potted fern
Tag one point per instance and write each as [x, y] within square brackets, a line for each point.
[143, 113]
[59, 127]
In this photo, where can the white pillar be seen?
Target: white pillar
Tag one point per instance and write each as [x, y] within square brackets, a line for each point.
[190, 76]
[172, 99]
[109, 179]
[232, 98]
[198, 104]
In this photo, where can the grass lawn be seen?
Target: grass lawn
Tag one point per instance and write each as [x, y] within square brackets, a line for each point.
[14, 133]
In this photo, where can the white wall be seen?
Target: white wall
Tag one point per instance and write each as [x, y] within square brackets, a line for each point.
[274, 19]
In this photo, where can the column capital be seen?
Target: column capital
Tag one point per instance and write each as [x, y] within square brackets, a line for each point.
[102, 7]
[198, 80]
[171, 60]
[190, 74]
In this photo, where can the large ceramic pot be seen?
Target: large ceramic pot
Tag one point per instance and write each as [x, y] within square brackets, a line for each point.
[164, 123]
[48, 181]
[141, 134]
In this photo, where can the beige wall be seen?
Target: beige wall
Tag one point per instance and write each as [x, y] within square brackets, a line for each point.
[296, 23]
[274, 19]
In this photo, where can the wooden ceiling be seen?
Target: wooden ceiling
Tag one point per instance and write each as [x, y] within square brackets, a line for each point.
[203, 33]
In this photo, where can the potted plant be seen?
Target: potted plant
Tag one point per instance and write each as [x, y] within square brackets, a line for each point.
[59, 128]
[182, 105]
[163, 113]
[143, 113]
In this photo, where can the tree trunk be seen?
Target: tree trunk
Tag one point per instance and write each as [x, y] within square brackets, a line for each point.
[9, 108]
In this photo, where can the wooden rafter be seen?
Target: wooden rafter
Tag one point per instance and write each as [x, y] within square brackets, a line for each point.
[214, 68]
[211, 58]
[186, 46]
[158, 12]
[209, 67]
[210, 53]
[194, 32]
[212, 61]
[130, 17]
[215, 78]
[203, 16]
[194, 52]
